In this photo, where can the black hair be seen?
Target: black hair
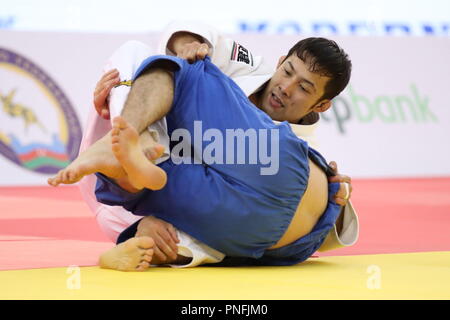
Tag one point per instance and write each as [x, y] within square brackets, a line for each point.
[328, 59]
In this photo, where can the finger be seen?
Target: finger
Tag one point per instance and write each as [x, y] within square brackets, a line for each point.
[104, 84]
[340, 201]
[173, 232]
[105, 80]
[100, 101]
[164, 246]
[191, 56]
[110, 84]
[101, 96]
[159, 253]
[105, 114]
[168, 246]
[333, 166]
[340, 178]
[98, 106]
[202, 52]
[343, 195]
[113, 73]
[343, 192]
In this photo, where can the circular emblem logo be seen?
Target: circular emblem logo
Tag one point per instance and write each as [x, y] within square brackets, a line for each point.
[39, 128]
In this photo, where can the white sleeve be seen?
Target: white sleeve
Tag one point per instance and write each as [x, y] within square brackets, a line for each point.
[127, 60]
[198, 251]
[347, 236]
[209, 34]
[229, 56]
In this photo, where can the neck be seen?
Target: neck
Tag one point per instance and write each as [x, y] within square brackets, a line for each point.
[255, 99]
[256, 96]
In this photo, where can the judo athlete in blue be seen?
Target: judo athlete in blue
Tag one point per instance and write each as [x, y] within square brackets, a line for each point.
[230, 206]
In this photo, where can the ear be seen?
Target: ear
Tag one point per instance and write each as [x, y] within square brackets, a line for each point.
[322, 106]
[280, 61]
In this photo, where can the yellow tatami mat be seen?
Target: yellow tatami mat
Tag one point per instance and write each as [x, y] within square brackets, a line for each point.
[388, 276]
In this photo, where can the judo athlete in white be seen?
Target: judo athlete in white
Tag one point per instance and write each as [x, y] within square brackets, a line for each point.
[251, 73]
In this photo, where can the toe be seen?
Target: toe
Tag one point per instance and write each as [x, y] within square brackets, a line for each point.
[115, 132]
[57, 178]
[146, 242]
[119, 122]
[72, 176]
[115, 147]
[147, 258]
[122, 123]
[116, 122]
[65, 176]
[144, 265]
[115, 139]
[159, 150]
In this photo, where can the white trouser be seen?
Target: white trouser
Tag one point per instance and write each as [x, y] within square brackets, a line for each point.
[111, 219]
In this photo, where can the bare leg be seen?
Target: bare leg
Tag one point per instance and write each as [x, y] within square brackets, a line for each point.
[135, 254]
[149, 100]
[98, 158]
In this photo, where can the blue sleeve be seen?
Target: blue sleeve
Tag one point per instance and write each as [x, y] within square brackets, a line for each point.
[166, 62]
[109, 193]
[320, 161]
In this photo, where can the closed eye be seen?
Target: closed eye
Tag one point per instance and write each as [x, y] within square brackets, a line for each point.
[289, 74]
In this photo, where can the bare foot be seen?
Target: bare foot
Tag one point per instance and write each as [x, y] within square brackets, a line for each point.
[151, 149]
[97, 158]
[126, 147]
[135, 254]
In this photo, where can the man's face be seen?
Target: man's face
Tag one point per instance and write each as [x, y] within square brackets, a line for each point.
[294, 91]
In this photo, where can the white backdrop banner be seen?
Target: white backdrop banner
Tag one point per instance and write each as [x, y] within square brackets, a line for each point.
[299, 17]
[393, 120]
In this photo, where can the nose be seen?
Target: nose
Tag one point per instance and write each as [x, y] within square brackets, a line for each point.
[287, 87]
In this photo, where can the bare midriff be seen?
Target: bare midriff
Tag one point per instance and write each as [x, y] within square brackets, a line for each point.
[310, 209]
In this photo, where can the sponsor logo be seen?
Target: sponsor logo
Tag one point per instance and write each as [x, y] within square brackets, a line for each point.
[39, 128]
[412, 107]
[240, 54]
[361, 28]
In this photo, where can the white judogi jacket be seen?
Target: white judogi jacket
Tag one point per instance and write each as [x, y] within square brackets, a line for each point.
[248, 71]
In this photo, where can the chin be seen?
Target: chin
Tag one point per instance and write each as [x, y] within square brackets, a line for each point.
[276, 116]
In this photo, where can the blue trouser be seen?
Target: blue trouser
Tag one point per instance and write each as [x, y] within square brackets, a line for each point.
[232, 207]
